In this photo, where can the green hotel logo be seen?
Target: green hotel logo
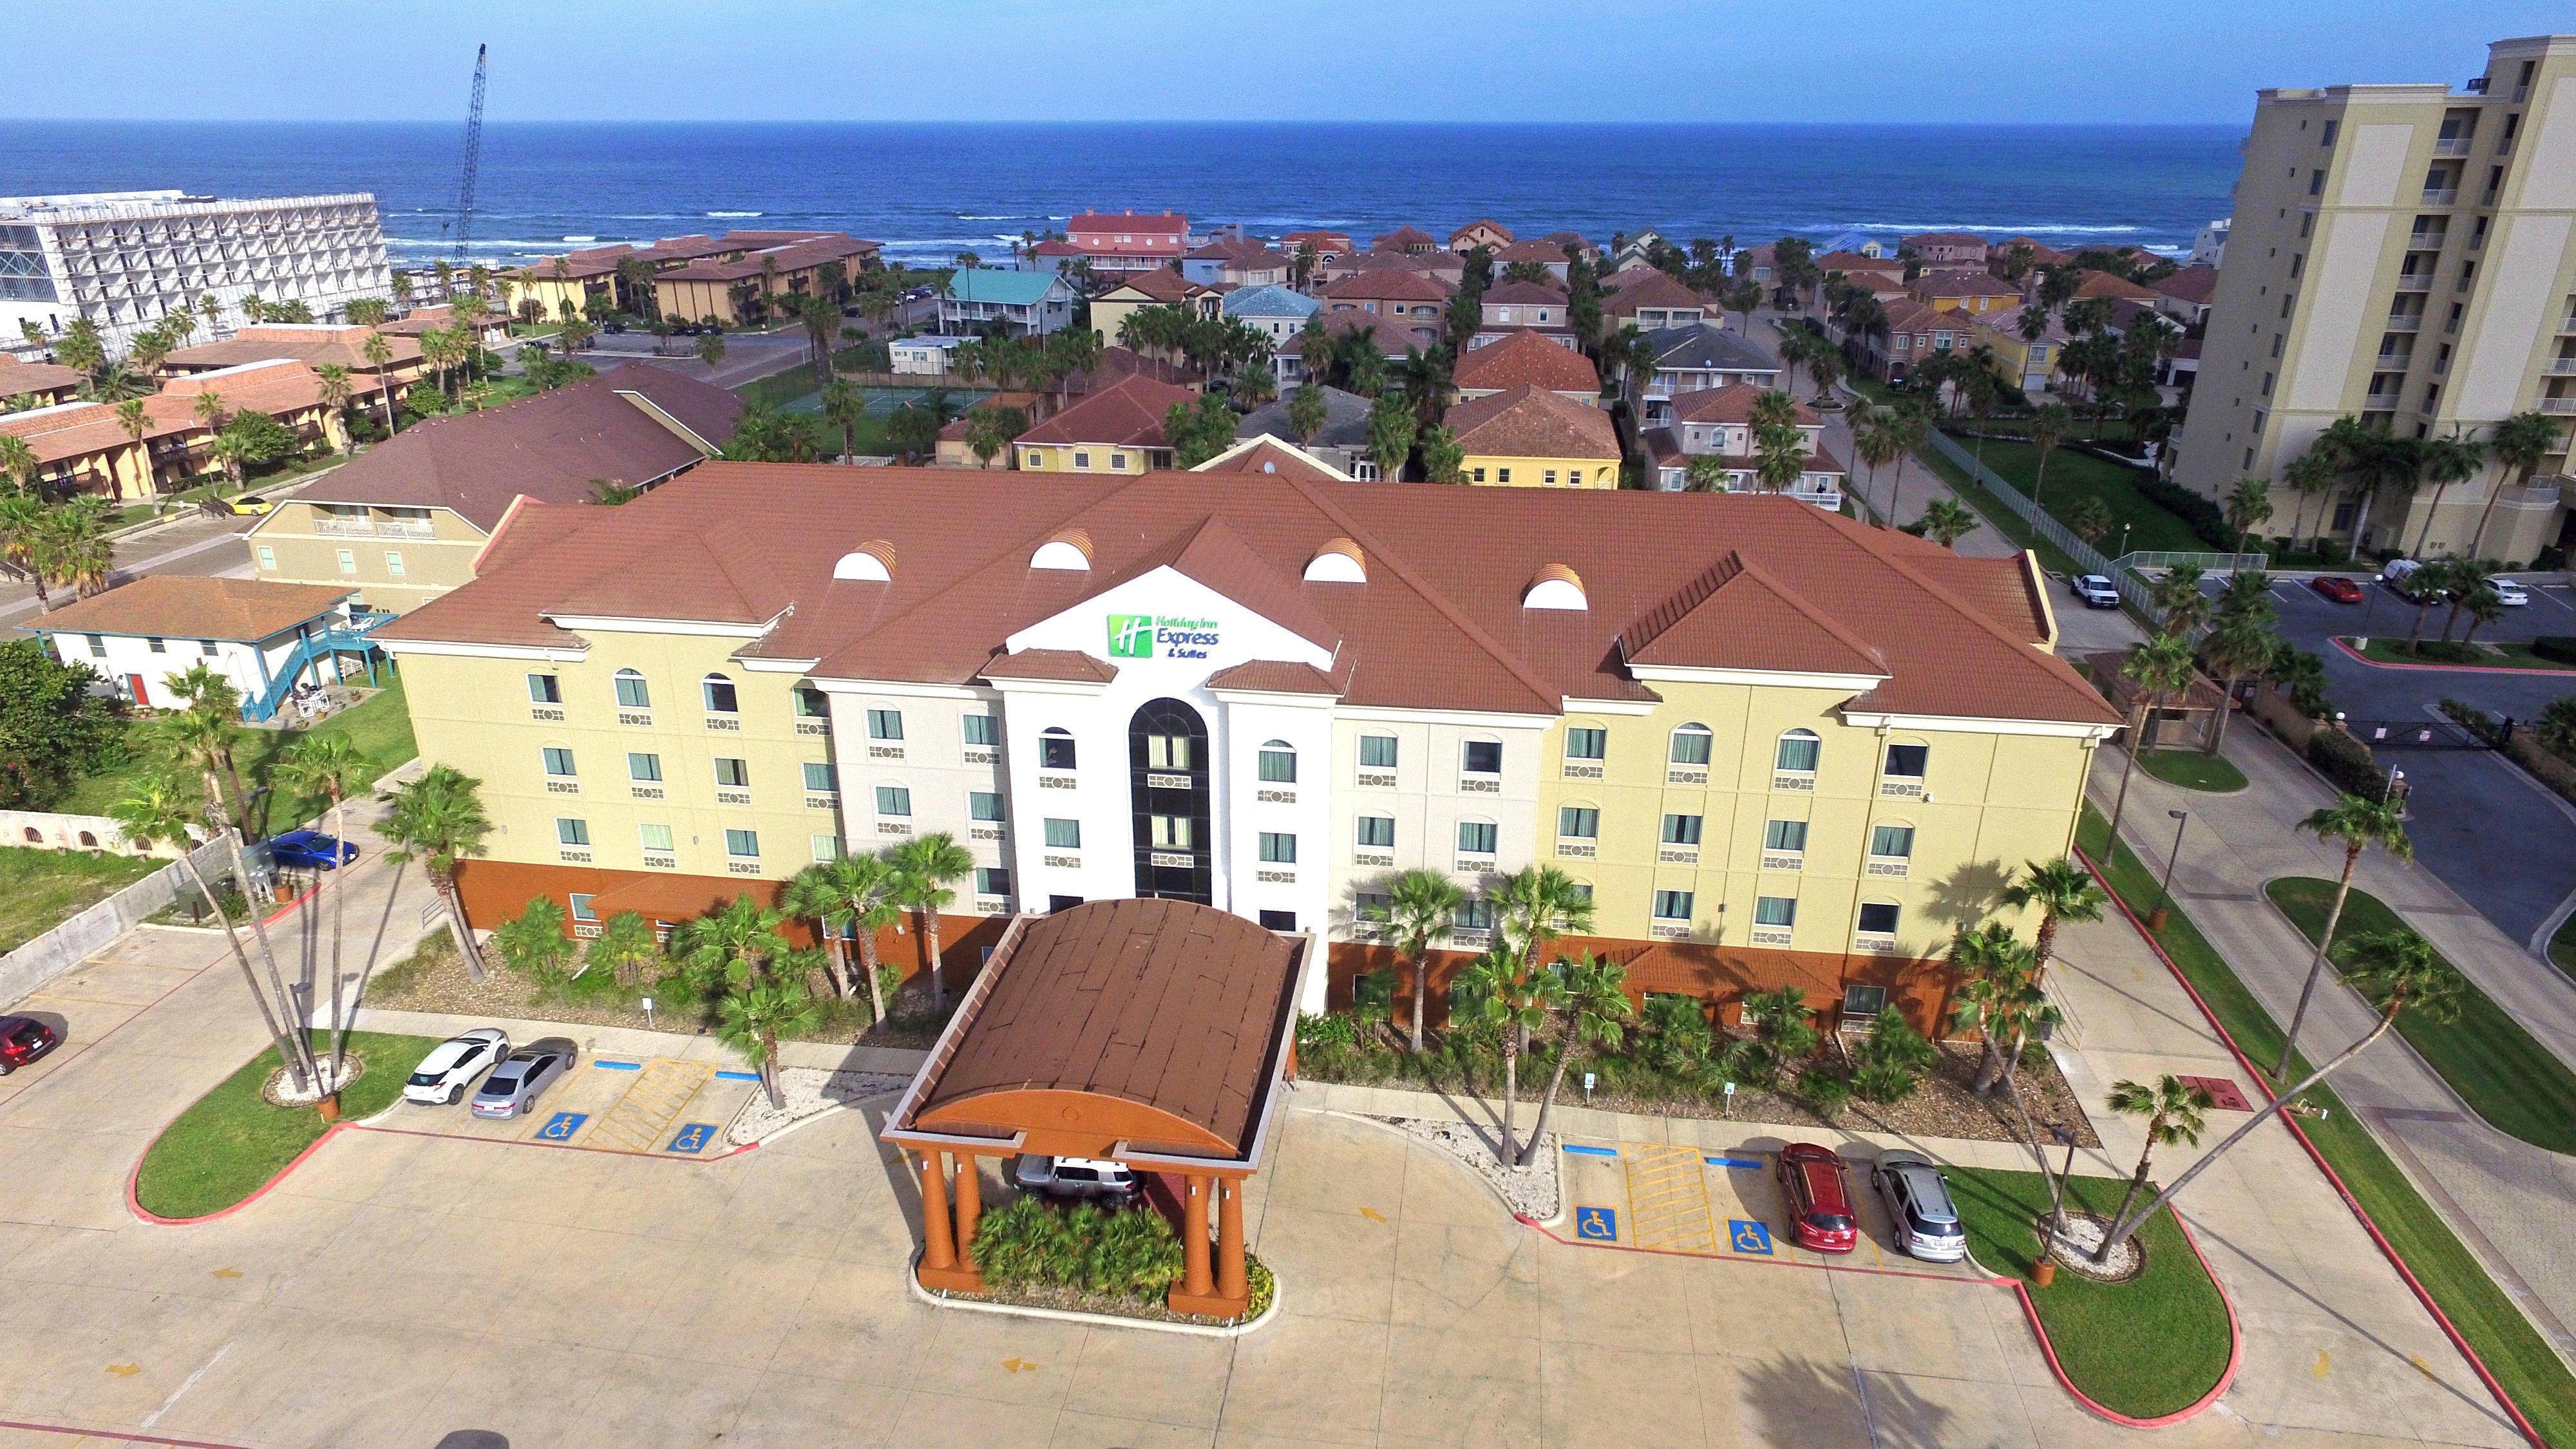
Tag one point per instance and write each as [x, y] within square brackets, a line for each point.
[1131, 636]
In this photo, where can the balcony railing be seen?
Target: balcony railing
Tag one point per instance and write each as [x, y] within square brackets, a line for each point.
[2427, 241]
[2451, 145]
[344, 527]
[2405, 321]
[2414, 281]
[2447, 196]
[2558, 406]
[2563, 366]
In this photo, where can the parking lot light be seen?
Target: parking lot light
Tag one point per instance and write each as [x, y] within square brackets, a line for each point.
[2164, 893]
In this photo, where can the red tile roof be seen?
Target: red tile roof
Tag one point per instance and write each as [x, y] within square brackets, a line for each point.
[791, 256]
[2104, 284]
[1962, 284]
[1162, 284]
[1402, 237]
[1652, 289]
[1127, 413]
[1537, 249]
[1485, 222]
[1730, 404]
[1532, 422]
[1390, 285]
[1526, 359]
[2195, 285]
[188, 606]
[1535, 294]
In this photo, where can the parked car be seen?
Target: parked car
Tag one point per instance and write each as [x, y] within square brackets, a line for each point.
[2510, 594]
[453, 1064]
[1821, 1218]
[22, 1040]
[253, 504]
[311, 850]
[514, 1086]
[2397, 571]
[2336, 587]
[1092, 1177]
[1918, 1204]
[2095, 590]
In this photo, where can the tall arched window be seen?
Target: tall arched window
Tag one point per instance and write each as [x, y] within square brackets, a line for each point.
[718, 692]
[632, 692]
[1691, 743]
[1278, 763]
[1055, 748]
[1798, 752]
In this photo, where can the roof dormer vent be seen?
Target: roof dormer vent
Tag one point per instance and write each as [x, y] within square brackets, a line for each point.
[1555, 587]
[872, 561]
[1069, 549]
[1338, 562]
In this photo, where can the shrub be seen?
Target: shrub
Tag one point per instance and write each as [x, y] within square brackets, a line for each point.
[1373, 997]
[534, 943]
[1122, 1253]
[2558, 648]
[2347, 762]
[1824, 1091]
[1332, 1029]
[2203, 515]
[1889, 1065]
[1677, 1038]
[2475, 718]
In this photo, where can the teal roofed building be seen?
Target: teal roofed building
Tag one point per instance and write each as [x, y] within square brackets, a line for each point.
[1024, 304]
[1275, 312]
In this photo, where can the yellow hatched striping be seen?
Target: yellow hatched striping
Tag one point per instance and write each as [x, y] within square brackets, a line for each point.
[1668, 1198]
[660, 1091]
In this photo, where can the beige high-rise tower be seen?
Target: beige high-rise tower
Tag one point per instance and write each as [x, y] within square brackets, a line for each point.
[2404, 254]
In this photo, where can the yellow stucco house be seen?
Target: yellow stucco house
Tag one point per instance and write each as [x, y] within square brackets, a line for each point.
[1116, 430]
[1530, 437]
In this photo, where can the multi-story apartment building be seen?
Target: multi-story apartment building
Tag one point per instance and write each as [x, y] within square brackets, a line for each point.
[1778, 745]
[2402, 254]
[127, 259]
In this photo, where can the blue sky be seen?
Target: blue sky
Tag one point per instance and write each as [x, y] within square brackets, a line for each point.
[1635, 60]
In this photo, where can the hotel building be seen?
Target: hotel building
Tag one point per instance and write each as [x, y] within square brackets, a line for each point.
[127, 259]
[1778, 746]
[2405, 254]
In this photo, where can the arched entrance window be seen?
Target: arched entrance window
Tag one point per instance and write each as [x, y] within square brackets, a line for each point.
[1167, 758]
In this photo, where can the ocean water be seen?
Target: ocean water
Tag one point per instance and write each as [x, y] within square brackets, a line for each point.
[929, 191]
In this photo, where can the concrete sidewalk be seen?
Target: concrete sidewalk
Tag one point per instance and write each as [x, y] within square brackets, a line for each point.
[630, 1042]
[2511, 1202]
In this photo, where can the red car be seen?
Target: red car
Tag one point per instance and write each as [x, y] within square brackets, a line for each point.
[22, 1040]
[2336, 587]
[1821, 1217]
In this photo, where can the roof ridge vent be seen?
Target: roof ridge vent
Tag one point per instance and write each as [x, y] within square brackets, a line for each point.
[1337, 561]
[1555, 586]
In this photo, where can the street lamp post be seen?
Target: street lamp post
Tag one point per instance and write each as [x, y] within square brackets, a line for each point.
[2164, 893]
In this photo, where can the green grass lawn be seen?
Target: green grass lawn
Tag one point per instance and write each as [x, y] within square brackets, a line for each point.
[2500, 654]
[381, 728]
[1993, 510]
[2075, 475]
[40, 889]
[2193, 770]
[2148, 1347]
[2522, 1360]
[2505, 1076]
[232, 1142]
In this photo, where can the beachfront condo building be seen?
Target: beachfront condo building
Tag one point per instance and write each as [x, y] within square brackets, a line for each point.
[2402, 254]
[1778, 747]
[127, 259]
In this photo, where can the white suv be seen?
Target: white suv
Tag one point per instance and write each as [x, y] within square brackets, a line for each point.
[453, 1064]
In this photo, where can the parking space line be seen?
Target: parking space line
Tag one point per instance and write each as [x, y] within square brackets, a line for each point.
[1668, 1198]
[660, 1092]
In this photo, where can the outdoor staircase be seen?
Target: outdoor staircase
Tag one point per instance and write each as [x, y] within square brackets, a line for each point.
[357, 637]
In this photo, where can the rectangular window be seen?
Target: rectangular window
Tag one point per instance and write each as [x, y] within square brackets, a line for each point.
[2326, 137]
[1784, 835]
[1167, 752]
[1371, 905]
[1878, 918]
[1173, 832]
[885, 724]
[1063, 834]
[1681, 829]
[654, 837]
[820, 778]
[1377, 752]
[732, 774]
[632, 693]
[1082, 460]
[719, 694]
[1377, 832]
[1578, 822]
[992, 880]
[1691, 745]
[393, 564]
[1673, 905]
[1586, 743]
[985, 805]
[569, 831]
[97, 645]
[1896, 842]
[1055, 750]
[207, 648]
[1474, 914]
[826, 845]
[545, 689]
[1278, 920]
[644, 769]
[1775, 910]
[581, 910]
[1477, 837]
[743, 844]
[1278, 848]
[1278, 764]
[894, 800]
[558, 762]
[1797, 753]
[1860, 1003]
[1905, 762]
[1117, 462]
[1482, 757]
[160, 646]
[267, 559]
[983, 730]
[810, 703]
[1548, 479]
[348, 562]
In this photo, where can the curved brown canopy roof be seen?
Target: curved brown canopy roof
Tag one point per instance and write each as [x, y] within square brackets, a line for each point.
[1159, 1024]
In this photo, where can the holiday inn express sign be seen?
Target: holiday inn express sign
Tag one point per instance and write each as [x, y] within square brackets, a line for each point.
[1168, 636]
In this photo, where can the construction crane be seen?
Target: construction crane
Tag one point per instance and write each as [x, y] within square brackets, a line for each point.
[473, 160]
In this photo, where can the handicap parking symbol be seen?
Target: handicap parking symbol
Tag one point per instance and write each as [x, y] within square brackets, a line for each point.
[561, 1126]
[693, 1137]
[1749, 1237]
[1597, 1224]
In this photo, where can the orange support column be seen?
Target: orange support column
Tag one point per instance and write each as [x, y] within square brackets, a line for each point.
[1194, 1241]
[970, 1208]
[940, 1271]
[1201, 1293]
[1230, 1281]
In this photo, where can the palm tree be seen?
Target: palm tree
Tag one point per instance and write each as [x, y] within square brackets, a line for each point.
[1706, 473]
[924, 867]
[1998, 995]
[333, 387]
[159, 810]
[735, 945]
[2240, 643]
[865, 886]
[330, 765]
[1515, 1003]
[1420, 907]
[17, 462]
[2247, 505]
[1878, 439]
[2061, 890]
[1593, 1007]
[1795, 346]
[1535, 905]
[2162, 669]
[2048, 428]
[134, 422]
[625, 945]
[25, 539]
[438, 819]
[752, 1019]
[2397, 969]
[379, 354]
[844, 405]
[810, 896]
[2358, 824]
[711, 349]
[2311, 473]
[75, 547]
[990, 429]
[1946, 521]
[2446, 461]
[2519, 444]
[2174, 1113]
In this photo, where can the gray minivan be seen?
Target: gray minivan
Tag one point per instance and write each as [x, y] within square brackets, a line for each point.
[1918, 1204]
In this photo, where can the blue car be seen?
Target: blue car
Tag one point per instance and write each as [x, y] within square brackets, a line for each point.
[311, 850]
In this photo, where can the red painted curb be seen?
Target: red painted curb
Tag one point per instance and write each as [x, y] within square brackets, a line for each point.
[114, 1436]
[288, 909]
[2360, 658]
[2451, 1331]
